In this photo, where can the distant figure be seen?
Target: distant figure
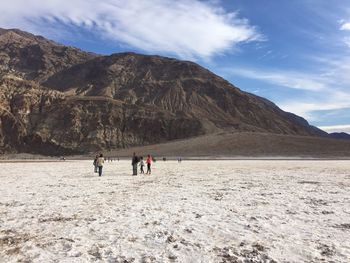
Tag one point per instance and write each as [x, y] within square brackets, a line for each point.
[134, 162]
[100, 162]
[149, 162]
[164, 159]
[95, 164]
[142, 164]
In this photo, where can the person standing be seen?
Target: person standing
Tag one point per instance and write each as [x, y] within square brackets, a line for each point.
[100, 162]
[95, 164]
[134, 162]
[149, 162]
[142, 164]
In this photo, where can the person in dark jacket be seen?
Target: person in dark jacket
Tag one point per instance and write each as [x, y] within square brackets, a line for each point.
[95, 164]
[134, 162]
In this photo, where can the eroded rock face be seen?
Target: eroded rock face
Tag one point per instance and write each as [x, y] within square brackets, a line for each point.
[90, 124]
[35, 119]
[179, 87]
[61, 100]
[22, 105]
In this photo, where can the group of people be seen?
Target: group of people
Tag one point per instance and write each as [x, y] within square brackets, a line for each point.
[135, 162]
[139, 160]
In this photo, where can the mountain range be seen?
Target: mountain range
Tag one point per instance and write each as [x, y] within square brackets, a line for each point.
[57, 99]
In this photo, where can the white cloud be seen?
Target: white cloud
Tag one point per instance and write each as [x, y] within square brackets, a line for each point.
[345, 26]
[326, 90]
[186, 28]
[336, 128]
[289, 79]
[307, 109]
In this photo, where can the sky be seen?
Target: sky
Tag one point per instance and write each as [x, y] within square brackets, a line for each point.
[294, 53]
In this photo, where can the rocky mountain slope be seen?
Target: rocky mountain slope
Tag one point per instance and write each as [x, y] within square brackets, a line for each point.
[34, 57]
[180, 87]
[40, 120]
[61, 100]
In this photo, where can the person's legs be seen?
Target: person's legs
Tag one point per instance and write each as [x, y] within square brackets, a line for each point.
[142, 171]
[95, 168]
[148, 168]
[134, 169]
[100, 171]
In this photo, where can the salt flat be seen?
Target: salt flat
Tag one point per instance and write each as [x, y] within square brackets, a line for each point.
[195, 211]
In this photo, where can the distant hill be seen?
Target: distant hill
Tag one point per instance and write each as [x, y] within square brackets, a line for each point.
[62, 100]
[244, 144]
[340, 135]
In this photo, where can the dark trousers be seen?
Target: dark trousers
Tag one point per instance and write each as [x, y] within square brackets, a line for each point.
[100, 170]
[142, 171]
[134, 169]
[95, 168]
[148, 168]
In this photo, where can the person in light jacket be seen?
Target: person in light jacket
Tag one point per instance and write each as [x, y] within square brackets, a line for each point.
[142, 164]
[100, 162]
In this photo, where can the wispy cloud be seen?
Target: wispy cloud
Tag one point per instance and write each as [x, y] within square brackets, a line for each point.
[332, 98]
[345, 26]
[186, 28]
[346, 41]
[288, 79]
[307, 109]
[336, 128]
[326, 90]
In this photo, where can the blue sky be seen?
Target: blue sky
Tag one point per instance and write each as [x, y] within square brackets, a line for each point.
[295, 53]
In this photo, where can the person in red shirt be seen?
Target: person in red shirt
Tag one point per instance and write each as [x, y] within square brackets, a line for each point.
[149, 162]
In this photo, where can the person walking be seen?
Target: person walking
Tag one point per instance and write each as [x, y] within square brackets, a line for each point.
[142, 164]
[95, 164]
[100, 162]
[134, 162]
[149, 162]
